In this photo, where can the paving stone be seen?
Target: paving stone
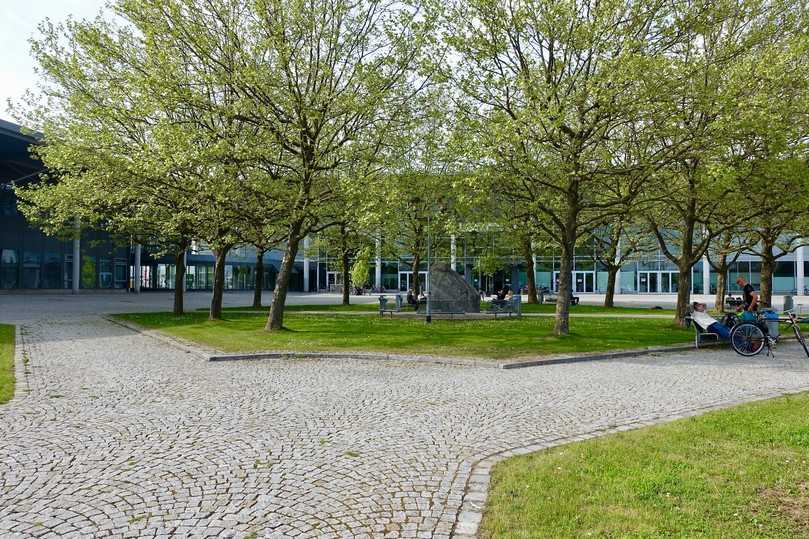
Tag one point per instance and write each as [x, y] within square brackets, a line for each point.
[173, 445]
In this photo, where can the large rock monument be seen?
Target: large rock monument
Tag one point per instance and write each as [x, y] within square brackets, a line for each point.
[449, 291]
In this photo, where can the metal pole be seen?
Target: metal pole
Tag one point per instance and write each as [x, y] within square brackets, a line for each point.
[137, 269]
[429, 293]
[76, 270]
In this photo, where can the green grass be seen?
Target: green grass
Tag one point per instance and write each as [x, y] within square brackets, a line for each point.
[742, 472]
[497, 339]
[6, 363]
[526, 308]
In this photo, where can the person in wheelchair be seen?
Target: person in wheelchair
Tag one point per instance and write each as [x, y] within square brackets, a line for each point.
[707, 322]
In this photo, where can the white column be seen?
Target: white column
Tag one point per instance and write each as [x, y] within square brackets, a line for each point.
[306, 264]
[453, 252]
[617, 273]
[800, 281]
[76, 256]
[137, 270]
[185, 276]
[706, 278]
[378, 268]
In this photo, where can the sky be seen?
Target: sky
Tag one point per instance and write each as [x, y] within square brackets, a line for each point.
[18, 23]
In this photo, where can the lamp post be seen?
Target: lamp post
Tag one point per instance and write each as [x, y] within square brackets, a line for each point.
[429, 318]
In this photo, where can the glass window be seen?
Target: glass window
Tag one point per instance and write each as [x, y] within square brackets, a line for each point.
[104, 273]
[67, 275]
[31, 270]
[784, 269]
[121, 280]
[52, 271]
[8, 268]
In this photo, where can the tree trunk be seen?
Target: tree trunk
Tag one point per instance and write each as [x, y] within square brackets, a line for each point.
[275, 321]
[179, 279]
[683, 293]
[344, 262]
[259, 280]
[767, 267]
[568, 243]
[721, 287]
[414, 277]
[562, 323]
[612, 277]
[218, 283]
[529, 271]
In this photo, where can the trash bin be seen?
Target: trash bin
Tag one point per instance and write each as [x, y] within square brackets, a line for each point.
[789, 303]
[771, 319]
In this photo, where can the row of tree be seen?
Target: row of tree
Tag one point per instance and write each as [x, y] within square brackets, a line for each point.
[263, 122]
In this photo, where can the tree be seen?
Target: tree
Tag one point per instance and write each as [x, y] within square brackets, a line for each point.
[361, 268]
[723, 251]
[550, 91]
[324, 83]
[784, 226]
[615, 245]
[713, 82]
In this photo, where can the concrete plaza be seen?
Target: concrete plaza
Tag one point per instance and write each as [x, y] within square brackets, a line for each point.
[113, 433]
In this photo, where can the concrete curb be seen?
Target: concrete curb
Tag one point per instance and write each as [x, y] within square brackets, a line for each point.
[22, 372]
[465, 362]
[175, 342]
[470, 514]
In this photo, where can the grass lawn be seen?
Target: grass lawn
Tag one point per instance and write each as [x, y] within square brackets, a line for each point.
[742, 472]
[497, 339]
[6, 363]
[526, 308]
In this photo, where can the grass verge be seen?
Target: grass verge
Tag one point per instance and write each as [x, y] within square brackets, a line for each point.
[741, 472]
[496, 339]
[6, 363]
[526, 308]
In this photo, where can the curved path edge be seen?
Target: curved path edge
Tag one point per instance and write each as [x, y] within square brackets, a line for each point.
[556, 359]
[473, 505]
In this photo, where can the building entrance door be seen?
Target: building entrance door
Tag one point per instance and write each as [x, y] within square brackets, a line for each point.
[334, 281]
[648, 282]
[655, 282]
[584, 282]
[406, 281]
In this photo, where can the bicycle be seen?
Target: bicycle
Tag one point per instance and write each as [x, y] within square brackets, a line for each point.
[749, 338]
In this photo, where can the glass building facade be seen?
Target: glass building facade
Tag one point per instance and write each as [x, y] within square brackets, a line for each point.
[31, 260]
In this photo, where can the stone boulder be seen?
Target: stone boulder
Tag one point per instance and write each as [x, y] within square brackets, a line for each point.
[449, 290]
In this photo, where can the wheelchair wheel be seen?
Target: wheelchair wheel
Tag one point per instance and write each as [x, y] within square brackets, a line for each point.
[747, 339]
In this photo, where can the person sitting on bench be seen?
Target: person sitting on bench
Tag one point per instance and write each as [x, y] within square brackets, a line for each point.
[706, 322]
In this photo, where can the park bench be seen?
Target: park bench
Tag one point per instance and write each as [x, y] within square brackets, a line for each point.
[386, 307]
[700, 333]
[552, 297]
[398, 306]
[509, 307]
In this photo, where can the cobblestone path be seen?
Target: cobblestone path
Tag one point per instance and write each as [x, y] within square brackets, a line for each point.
[115, 434]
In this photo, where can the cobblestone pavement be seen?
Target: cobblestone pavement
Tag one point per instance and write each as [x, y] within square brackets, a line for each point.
[113, 433]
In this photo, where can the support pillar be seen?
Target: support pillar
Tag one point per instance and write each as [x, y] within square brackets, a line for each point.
[800, 280]
[378, 267]
[617, 273]
[137, 270]
[306, 264]
[453, 252]
[185, 265]
[706, 278]
[76, 256]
